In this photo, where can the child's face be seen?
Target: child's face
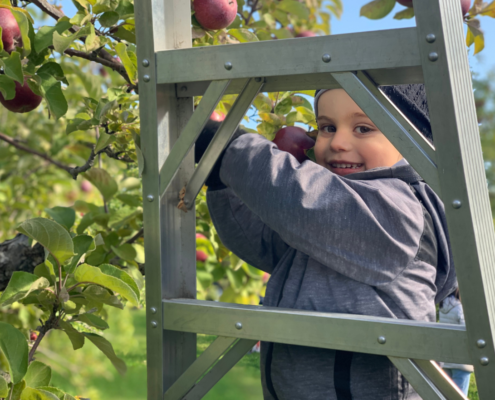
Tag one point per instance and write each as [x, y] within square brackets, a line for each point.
[348, 141]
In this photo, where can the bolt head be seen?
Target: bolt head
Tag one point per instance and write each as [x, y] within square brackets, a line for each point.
[433, 56]
[430, 38]
[146, 78]
[228, 65]
[146, 63]
[484, 361]
[382, 339]
[326, 58]
[154, 324]
[480, 343]
[238, 325]
[153, 310]
[456, 204]
[150, 198]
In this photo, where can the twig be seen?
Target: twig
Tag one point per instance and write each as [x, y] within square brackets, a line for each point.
[253, 10]
[138, 234]
[48, 8]
[73, 171]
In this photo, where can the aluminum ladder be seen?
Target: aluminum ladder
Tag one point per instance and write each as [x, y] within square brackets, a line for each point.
[171, 73]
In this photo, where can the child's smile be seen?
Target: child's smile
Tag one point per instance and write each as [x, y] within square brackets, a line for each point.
[348, 141]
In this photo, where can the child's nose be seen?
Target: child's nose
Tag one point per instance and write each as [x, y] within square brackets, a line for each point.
[341, 141]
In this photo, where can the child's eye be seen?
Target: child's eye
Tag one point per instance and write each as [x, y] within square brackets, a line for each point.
[363, 129]
[328, 129]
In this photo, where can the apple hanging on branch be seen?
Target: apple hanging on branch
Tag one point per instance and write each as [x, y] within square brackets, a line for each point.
[25, 99]
[11, 34]
[215, 14]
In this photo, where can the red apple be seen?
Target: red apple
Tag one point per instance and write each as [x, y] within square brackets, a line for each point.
[86, 186]
[24, 100]
[407, 3]
[217, 116]
[306, 34]
[201, 255]
[215, 14]
[33, 336]
[11, 34]
[294, 140]
[200, 236]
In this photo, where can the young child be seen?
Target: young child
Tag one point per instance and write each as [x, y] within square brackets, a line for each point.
[357, 232]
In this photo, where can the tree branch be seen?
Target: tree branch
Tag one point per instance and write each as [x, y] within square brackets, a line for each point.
[73, 171]
[48, 8]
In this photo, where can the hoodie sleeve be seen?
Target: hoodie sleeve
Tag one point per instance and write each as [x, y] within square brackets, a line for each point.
[243, 232]
[366, 232]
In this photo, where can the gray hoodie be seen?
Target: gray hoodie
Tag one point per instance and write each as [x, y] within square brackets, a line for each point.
[371, 243]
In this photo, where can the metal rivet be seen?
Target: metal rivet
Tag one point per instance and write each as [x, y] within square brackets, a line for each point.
[456, 204]
[146, 63]
[433, 56]
[238, 325]
[481, 343]
[257, 79]
[183, 88]
[326, 58]
[430, 38]
[484, 361]
[146, 78]
[228, 65]
[153, 310]
[150, 198]
[154, 324]
[382, 339]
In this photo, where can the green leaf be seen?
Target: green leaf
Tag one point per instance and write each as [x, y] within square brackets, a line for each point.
[4, 388]
[102, 295]
[475, 36]
[106, 348]
[267, 130]
[65, 216]
[295, 8]
[85, 222]
[125, 8]
[87, 273]
[109, 19]
[243, 35]
[52, 92]
[408, 13]
[105, 5]
[103, 182]
[130, 67]
[92, 41]
[44, 36]
[13, 68]
[37, 394]
[18, 389]
[377, 9]
[125, 34]
[23, 23]
[93, 320]
[7, 87]
[57, 392]
[103, 141]
[122, 275]
[82, 244]
[284, 106]
[38, 374]
[76, 337]
[54, 69]
[21, 284]
[130, 199]
[51, 235]
[15, 349]
[62, 43]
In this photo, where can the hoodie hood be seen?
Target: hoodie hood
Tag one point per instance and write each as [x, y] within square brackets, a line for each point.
[446, 280]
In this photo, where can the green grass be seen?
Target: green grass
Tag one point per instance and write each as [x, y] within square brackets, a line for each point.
[88, 373]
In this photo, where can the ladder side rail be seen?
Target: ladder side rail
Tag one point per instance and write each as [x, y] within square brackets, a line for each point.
[370, 50]
[224, 365]
[418, 379]
[197, 369]
[285, 83]
[362, 334]
[390, 127]
[462, 176]
[169, 233]
[441, 380]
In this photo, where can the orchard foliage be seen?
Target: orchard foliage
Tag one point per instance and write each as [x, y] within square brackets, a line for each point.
[378, 9]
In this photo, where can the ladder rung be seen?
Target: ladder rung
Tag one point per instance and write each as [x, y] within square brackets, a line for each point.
[403, 338]
[376, 50]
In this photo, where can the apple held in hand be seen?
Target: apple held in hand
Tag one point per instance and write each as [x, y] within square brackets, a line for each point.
[11, 34]
[215, 14]
[24, 100]
[294, 140]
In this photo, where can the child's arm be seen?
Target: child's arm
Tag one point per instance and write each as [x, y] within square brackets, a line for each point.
[367, 234]
[243, 232]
